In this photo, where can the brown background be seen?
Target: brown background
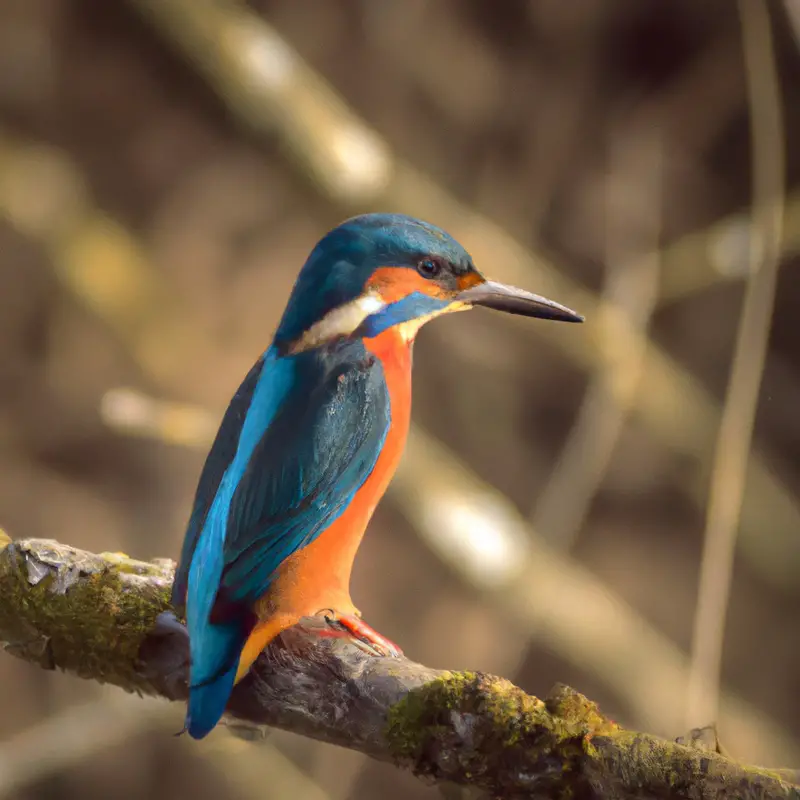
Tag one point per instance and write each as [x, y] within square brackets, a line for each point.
[593, 132]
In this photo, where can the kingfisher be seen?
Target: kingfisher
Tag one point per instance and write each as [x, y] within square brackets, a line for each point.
[310, 442]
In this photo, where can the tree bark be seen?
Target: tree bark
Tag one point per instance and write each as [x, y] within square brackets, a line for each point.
[106, 617]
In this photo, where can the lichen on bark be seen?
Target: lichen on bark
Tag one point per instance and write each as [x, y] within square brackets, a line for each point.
[464, 725]
[96, 609]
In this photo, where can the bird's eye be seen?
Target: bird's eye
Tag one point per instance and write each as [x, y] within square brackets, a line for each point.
[429, 268]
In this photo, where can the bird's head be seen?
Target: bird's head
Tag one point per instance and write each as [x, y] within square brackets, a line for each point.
[380, 271]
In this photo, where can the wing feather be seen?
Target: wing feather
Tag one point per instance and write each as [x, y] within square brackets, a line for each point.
[318, 450]
[219, 458]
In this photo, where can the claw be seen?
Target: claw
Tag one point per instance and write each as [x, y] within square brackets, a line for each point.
[363, 635]
[329, 615]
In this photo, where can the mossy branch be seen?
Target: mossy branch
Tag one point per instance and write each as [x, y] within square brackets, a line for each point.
[102, 617]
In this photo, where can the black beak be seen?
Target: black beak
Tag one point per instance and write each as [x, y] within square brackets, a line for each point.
[516, 301]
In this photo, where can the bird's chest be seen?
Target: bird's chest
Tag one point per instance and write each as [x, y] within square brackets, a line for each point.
[344, 535]
[318, 576]
[395, 357]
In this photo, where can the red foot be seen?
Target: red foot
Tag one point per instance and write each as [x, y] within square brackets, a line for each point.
[350, 626]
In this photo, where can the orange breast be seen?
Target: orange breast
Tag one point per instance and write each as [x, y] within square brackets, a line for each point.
[318, 576]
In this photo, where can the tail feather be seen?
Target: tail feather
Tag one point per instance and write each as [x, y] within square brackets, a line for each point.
[207, 704]
[215, 659]
[214, 648]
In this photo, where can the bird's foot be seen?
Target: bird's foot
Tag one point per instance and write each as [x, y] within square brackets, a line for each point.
[365, 636]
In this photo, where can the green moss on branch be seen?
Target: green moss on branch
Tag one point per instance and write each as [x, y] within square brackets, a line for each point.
[489, 722]
[95, 609]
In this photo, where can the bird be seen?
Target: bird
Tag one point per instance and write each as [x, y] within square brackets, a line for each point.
[309, 444]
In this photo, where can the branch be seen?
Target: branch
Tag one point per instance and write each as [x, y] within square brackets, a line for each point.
[102, 617]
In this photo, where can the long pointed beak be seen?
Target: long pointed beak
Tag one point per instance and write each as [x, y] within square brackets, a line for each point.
[500, 297]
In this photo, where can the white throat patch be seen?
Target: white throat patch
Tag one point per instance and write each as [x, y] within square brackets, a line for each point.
[409, 330]
[341, 321]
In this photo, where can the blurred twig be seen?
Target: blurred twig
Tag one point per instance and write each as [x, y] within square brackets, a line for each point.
[793, 14]
[271, 90]
[483, 539]
[717, 254]
[709, 93]
[81, 732]
[632, 286]
[467, 728]
[75, 734]
[93, 255]
[258, 771]
[736, 427]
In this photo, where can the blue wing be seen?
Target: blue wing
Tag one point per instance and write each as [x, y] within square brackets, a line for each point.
[219, 459]
[317, 452]
[313, 430]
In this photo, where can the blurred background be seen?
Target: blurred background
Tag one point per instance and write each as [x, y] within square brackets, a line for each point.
[165, 168]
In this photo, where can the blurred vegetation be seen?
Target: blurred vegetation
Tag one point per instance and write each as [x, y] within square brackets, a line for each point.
[165, 167]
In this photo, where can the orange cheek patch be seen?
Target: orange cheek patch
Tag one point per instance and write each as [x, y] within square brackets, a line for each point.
[469, 280]
[395, 283]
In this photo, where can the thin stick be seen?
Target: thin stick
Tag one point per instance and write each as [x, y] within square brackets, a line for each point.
[736, 427]
[632, 286]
